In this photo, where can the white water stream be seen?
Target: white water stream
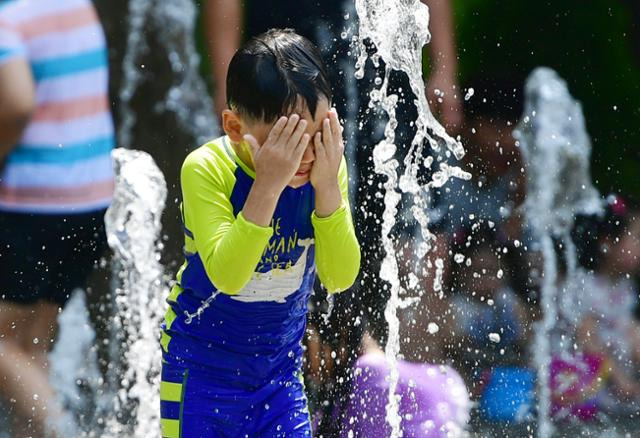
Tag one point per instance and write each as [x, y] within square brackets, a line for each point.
[399, 29]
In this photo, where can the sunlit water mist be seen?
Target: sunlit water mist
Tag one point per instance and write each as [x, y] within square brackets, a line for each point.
[173, 23]
[556, 149]
[399, 29]
[73, 371]
[133, 229]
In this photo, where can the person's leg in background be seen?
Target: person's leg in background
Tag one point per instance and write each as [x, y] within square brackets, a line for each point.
[23, 382]
[24, 376]
[44, 258]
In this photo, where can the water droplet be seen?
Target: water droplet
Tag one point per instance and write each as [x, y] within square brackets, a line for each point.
[500, 273]
[458, 258]
[433, 328]
[36, 340]
[469, 94]
[494, 337]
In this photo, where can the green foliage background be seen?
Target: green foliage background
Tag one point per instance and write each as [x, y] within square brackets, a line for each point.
[589, 43]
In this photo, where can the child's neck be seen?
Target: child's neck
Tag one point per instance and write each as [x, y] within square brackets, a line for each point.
[244, 154]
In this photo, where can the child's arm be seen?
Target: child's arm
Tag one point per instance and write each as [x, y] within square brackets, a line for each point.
[230, 247]
[337, 249]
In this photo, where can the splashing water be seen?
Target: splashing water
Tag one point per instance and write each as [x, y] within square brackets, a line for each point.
[73, 371]
[556, 149]
[133, 229]
[200, 310]
[326, 317]
[187, 97]
[399, 29]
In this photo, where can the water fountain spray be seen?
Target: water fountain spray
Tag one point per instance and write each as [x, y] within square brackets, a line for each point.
[187, 97]
[133, 228]
[399, 29]
[556, 150]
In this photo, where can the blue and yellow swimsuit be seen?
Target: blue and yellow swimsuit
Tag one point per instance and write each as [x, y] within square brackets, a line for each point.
[234, 367]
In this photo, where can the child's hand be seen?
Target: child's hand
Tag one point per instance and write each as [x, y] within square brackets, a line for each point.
[329, 149]
[324, 173]
[278, 159]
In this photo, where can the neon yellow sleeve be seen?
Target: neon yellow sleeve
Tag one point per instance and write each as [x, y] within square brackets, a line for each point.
[230, 247]
[337, 249]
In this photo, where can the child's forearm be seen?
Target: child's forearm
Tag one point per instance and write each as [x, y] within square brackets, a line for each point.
[261, 203]
[328, 200]
[337, 249]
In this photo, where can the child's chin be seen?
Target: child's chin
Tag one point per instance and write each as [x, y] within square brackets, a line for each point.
[298, 181]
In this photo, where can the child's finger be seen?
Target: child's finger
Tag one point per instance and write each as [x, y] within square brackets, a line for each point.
[288, 129]
[336, 128]
[327, 138]
[297, 134]
[317, 142]
[275, 132]
[302, 146]
[253, 144]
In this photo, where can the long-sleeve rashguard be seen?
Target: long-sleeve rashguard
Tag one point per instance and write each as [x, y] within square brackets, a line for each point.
[231, 247]
[260, 277]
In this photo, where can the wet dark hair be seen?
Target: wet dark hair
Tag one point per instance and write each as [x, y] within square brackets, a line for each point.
[589, 230]
[269, 75]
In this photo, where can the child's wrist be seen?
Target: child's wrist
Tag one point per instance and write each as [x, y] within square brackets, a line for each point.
[328, 199]
[327, 186]
[267, 189]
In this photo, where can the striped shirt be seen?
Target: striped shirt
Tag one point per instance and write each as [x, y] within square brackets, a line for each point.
[62, 163]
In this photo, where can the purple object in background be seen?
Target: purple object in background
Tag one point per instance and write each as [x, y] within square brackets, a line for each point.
[434, 400]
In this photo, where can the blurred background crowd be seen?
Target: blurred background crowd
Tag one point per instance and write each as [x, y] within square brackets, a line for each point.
[478, 289]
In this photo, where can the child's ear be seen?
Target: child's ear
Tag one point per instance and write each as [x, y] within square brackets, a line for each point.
[233, 126]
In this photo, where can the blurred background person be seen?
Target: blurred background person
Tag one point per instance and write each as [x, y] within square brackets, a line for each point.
[433, 399]
[609, 248]
[497, 186]
[487, 330]
[56, 181]
[331, 25]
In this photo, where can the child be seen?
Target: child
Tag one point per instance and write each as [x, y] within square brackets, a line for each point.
[610, 249]
[263, 208]
[488, 324]
[433, 400]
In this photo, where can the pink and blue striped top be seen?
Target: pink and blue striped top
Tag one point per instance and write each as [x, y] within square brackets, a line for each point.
[62, 163]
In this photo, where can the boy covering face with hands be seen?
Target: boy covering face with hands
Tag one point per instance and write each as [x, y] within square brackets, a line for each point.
[264, 208]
